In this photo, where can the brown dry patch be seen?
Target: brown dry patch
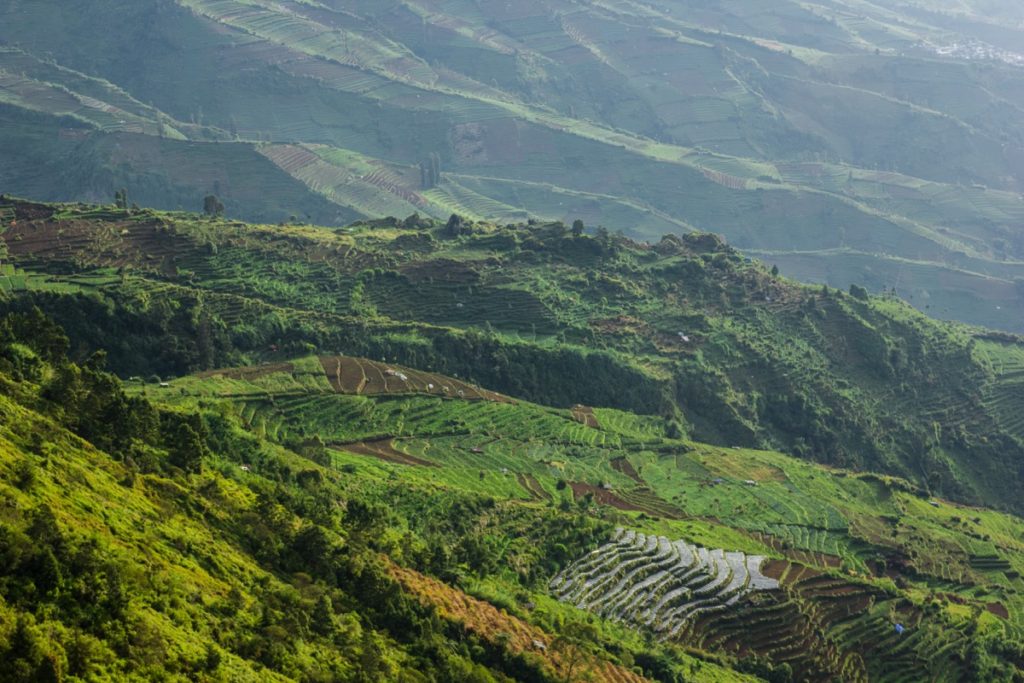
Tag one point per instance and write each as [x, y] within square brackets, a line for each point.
[619, 325]
[487, 621]
[27, 211]
[92, 242]
[360, 376]
[998, 609]
[626, 467]
[384, 450]
[585, 415]
[530, 483]
[603, 496]
[737, 465]
[775, 569]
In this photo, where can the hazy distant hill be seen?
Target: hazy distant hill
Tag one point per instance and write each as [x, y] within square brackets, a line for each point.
[870, 142]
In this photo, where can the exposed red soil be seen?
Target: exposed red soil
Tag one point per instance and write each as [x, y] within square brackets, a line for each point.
[775, 569]
[26, 211]
[384, 450]
[585, 415]
[626, 467]
[602, 496]
[620, 325]
[490, 623]
[998, 609]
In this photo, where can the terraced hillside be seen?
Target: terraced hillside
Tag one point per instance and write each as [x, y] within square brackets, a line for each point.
[687, 330]
[873, 143]
[659, 583]
[733, 552]
[284, 522]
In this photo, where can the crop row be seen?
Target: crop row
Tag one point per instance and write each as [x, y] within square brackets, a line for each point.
[654, 582]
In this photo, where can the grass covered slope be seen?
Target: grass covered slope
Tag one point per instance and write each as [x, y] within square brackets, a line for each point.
[142, 541]
[840, 137]
[334, 518]
[712, 344]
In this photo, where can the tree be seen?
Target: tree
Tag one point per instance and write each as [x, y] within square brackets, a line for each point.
[572, 644]
[775, 271]
[186, 449]
[322, 621]
[454, 225]
[212, 206]
[858, 292]
[577, 228]
[121, 198]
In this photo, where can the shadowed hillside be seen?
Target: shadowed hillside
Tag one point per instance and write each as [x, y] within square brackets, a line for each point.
[874, 143]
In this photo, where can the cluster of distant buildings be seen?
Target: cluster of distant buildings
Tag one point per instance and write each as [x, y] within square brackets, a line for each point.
[975, 50]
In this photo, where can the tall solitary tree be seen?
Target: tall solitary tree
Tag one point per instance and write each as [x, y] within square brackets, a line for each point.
[577, 228]
[212, 205]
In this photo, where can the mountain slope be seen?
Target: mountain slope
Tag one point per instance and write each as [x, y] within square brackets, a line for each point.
[687, 330]
[856, 134]
[270, 523]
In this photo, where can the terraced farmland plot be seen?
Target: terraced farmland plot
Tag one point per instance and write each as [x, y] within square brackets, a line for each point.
[366, 377]
[1005, 395]
[653, 582]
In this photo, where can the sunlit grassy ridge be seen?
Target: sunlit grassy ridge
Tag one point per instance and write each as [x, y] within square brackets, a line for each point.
[686, 330]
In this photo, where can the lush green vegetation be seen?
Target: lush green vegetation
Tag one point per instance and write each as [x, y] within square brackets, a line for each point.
[849, 143]
[267, 524]
[706, 342]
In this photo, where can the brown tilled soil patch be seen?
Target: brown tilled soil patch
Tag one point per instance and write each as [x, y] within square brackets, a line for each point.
[24, 211]
[998, 609]
[626, 467]
[774, 569]
[488, 622]
[530, 483]
[585, 415]
[349, 375]
[602, 496]
[384, 450]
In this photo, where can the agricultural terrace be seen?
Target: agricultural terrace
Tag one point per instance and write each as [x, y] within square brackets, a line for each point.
[775, 556]
[685, 327]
